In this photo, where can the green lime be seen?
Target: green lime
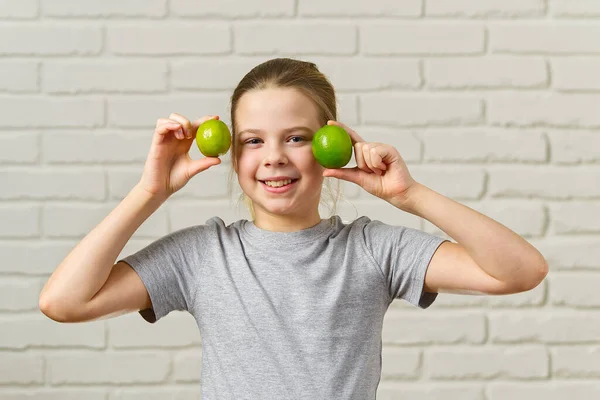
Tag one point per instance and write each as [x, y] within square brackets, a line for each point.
[332, 146]
[213, 138]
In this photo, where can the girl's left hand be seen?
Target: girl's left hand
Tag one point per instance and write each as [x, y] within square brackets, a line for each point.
[379, 169]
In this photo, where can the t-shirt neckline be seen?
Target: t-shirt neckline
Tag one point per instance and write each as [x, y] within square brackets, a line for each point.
[295, 237]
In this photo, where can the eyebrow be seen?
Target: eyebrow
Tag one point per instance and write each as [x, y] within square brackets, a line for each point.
[288, 130]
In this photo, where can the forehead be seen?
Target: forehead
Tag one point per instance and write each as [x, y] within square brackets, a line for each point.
[275, 108]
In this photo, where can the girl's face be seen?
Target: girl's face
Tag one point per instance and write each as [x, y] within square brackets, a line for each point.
[276, 168]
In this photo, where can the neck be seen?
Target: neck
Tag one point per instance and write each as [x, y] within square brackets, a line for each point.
[286, 223]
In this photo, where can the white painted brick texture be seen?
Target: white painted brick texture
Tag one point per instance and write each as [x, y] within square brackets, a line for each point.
[494, 103]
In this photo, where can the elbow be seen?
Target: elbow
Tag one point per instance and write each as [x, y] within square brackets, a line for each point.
[536, 276]
[55, 311]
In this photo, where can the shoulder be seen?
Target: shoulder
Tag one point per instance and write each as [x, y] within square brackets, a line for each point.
[213, 226]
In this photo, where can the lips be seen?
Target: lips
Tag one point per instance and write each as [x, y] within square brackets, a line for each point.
[279, 187]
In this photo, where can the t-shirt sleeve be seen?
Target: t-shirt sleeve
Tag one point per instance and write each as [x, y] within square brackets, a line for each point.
[403, 254]
[166, 269]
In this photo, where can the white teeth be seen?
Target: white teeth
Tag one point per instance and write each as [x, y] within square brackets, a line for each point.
[278, 183]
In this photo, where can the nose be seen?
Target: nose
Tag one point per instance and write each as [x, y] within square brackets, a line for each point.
[275, 155]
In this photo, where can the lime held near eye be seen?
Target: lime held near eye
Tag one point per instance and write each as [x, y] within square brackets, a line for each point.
[213, 138]
[332, 146]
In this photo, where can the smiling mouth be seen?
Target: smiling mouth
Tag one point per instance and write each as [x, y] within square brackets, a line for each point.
[278, 184]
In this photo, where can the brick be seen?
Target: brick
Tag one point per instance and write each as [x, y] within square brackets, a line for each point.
[105, 147]
[574, 217]
[185, 213]
[19, 221]
[544, 109]
[233, 9]
[400, 363]
[546, 183]
[456, 182]
[575, 362]
[548, 326]
[121, 181]
[174, 393]
[105, 8]
[405, 141]
[543, 38]
[169, 38]
[18, 76]
[211, 183]
[389, 390]
[348, 109]
[144, 111]
[575, 73]
[54, 394]
[22, 112]
[484, 145]
[376, 209]
[485, 8]
[523, 362]
[19, 294]
[21, 184]
[289, 38]
[526, 219]
[570, 8]
[50, 40]
[375, 8]
[570, 252]
[19, 148]
[18, 9]
[33, 257]
[444, 327]
[575, 289]
[391, 73]
[30, 369]
[108, 368]
[557, 390]
[574, 147]
[24, 332]
[487, 72]
[187, 365]
[104, 77]
[421, 38]
[178, 329]
[77, 220]
[211, 73]
[420, 110]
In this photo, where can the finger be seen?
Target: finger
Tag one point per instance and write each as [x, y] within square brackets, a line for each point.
[377, 159]
[360, 158]
[165, 125]
[354, 175]
[200, 121]
[355, 137]
[185, 124]
[197, 166]
[366, 150]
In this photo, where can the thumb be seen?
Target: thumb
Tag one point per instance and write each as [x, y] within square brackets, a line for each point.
[202, 164]
[354, 175]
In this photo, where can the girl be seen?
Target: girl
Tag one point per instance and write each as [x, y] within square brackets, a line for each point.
[289, 305]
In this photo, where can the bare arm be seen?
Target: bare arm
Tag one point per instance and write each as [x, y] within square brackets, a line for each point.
[82, 274]
[488, 258]
[87, 284]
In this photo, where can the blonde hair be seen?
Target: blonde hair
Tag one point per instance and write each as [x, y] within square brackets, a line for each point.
[307, 79]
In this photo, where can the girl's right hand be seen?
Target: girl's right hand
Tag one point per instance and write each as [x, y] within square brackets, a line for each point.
[169, 167]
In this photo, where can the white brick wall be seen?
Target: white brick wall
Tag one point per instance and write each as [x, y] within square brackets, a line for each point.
[494, 103]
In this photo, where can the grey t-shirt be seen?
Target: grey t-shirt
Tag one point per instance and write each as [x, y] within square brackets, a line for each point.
[287, 315]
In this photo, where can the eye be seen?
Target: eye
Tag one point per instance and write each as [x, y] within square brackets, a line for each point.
[297, 139]
[252, 141]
